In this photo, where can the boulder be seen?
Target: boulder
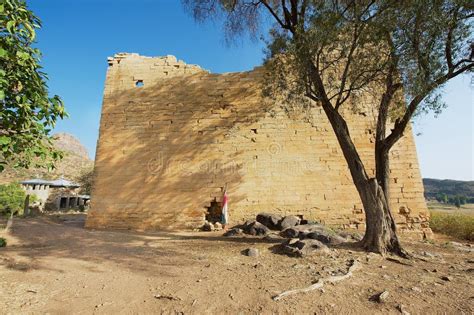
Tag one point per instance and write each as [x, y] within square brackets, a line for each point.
[289, 221]
[273, 237]
[217, 226]
[290, 233]
[380, 297]
[234, 232]
[326, 237]
[300, 248]
[301, 231]
[269, 220]
[251, 252]
[207, 226]
[256, 228]
[354, 236]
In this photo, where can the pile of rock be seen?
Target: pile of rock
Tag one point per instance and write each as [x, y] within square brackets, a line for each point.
[300, 248]
[209, 226]
[302, 237]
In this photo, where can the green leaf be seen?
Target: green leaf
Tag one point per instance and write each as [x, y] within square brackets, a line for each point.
[10, 26]
[4, 140]
[31, 30]
[27, 110]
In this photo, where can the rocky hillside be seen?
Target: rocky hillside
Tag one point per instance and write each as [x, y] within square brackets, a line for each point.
[69, 143]
[76, 162]
[449, 187]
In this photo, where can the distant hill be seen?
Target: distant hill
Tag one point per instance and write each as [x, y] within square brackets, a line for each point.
[76, 161]
[449, 187]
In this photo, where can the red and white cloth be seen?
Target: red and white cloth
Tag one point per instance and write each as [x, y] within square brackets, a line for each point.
[225, 209]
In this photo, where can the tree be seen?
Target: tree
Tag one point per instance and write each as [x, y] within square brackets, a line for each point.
[27, 112]
[329, 51]
[12, 199]
[457, 202]
[442, 197]
[445, 198]
[85, 180]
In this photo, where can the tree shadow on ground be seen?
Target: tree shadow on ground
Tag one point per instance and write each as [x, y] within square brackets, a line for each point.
[40, 239]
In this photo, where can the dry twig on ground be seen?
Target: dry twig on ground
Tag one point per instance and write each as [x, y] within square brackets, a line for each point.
[333, 279]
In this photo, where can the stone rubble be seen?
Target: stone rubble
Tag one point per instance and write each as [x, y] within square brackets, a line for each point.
[251, 252]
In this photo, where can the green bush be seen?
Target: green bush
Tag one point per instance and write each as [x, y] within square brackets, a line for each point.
[12, 199]
[458, 225]
[3, 242]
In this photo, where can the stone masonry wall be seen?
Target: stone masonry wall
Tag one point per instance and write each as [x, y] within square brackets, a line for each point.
[167, 149]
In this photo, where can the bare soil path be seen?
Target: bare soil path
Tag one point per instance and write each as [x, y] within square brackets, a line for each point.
[54, 265]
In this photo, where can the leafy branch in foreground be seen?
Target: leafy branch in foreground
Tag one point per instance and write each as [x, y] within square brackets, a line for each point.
[27, 113]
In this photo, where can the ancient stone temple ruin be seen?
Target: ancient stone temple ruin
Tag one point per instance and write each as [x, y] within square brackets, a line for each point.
[173, 135]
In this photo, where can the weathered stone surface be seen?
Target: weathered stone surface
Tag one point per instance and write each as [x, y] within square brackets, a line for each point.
[273, 237]
[402, 309]
[290, 233]
[256, 228]
[167, 149]
[354, 236]
[326, 237]
[217, 226]
[207, 226]
[289, 221]
[300, 248]
[234, 232]
[300, 231]
[270, 220]
[251, 252]
[380, 297]
[319, 232]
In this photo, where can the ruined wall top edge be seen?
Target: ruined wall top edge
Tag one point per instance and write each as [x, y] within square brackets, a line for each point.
[134, 58]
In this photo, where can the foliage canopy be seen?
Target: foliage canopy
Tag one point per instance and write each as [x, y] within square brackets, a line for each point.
[326, 53]
[12, 199]
[27, 113]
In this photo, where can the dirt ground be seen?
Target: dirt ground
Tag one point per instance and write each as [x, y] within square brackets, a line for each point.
[53, 265]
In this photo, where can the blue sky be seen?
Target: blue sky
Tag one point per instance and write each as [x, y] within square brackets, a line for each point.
[78, 36]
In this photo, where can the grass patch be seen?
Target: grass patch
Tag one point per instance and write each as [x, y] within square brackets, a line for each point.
[3, 242]
[458, 225]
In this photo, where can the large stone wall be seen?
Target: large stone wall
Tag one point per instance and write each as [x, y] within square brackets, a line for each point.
[167, 149]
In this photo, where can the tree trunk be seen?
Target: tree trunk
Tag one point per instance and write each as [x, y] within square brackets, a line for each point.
[380, 234]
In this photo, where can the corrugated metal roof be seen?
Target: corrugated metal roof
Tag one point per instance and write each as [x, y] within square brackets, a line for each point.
[63, 183]
[53, 183]
[36, 181]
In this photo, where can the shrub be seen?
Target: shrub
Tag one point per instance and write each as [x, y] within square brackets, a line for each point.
[458, 225]
[12, 199]
[3, 242]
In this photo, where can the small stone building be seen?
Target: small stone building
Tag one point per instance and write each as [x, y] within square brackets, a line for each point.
[56, 195]
[173, 135]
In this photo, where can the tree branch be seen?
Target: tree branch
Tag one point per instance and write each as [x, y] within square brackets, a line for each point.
[347, 66]
[449, 40]
[275, 15]
[400, 125]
